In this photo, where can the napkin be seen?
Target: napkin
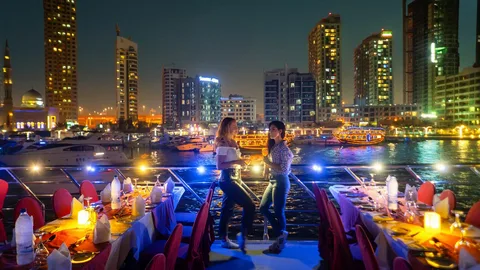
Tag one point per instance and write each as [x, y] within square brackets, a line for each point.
[101, 233]
[467, 261]
[127, 185]
[156, 194]
[59, 259]
[77, 205]
[414, 194]
[105, 194]
[169, 185]
[138, 207]
[442, 207]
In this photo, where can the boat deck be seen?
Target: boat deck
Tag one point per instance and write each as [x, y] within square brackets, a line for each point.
[297, 255]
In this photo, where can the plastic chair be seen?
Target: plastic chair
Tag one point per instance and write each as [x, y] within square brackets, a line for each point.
[426, 192]
[342, 256]
[62, 202]
[452, 200]
[33, 209]
[401, 264]
[157, 263]
[87, 189]
[473, 216]
[366, 249]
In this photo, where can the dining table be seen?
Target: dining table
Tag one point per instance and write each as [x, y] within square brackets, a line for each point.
[129, 234]
[395, 235]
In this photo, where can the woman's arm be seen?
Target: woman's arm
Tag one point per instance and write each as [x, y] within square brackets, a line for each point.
[286, 158]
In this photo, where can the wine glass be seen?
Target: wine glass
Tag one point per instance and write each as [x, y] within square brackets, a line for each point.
[410, 214]
[41, 253]
[88, 201]
[373, 184]
[462, 242]
[457, 225]
[158, 180]
[264, 152]
[247, 160]
[136, 180]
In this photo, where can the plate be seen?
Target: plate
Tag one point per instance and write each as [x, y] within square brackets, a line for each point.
[48, 228]
[422, 206]
[82, 257]
[419, 248]
[441, 263]
[396, 230]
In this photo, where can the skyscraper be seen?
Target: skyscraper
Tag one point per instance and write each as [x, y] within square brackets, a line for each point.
[126, 63]
[276, 94]
[324, 59]
[432, 35]
[477, 41]
[373, 75]
[170, 78]
[301, 98]
[7, 87]
[60, 43]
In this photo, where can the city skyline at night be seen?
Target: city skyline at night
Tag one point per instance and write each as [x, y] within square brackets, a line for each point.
[226, 46]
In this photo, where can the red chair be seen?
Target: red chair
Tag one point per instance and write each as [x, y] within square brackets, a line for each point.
[188, 217]
[87, 189]
[366, 249]
[171, 247]
[157, 263]
[342, 256]
[401, 264]
[62, 202]
[3, 195]
[426, 193]
[473, 216]
[452, 200]
[33, 209]
[325, 236]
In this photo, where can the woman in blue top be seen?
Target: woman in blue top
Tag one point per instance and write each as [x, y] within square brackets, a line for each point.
[279, 160]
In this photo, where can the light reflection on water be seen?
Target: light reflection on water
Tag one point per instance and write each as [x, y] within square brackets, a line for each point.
[463, 182]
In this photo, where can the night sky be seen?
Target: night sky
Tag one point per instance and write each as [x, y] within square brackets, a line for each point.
[232, 40]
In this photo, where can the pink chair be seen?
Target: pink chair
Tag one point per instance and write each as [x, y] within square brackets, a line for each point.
[452, 200]
[426, 192]
[87, 189]
[3, 195]
[473, 216]
[401, 264]
[62, 202]
[342, 256]
[33, 209]
[366, 249]
[325, 236]
[171, 247]
[157, 263]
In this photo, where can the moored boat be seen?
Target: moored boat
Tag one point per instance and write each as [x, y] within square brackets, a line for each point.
[360, 135]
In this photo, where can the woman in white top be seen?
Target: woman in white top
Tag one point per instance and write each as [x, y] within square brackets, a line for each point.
[229, 162]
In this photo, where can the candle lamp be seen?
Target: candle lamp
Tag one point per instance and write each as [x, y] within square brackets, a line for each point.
[432, 222]
[83, 217]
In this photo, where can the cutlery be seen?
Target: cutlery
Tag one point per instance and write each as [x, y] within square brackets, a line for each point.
[50, 239]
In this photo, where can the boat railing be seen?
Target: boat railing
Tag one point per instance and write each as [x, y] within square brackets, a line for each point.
[29, 179]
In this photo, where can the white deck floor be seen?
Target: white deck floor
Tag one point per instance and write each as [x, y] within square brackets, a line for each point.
[298, 255]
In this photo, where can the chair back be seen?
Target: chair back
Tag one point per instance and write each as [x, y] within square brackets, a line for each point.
[209, 197]
[87, 189]
[33, 209]
[62, 202]
[452, 200]
[426, 193]
[366, 249]
[401, 264]
[342, 256]
[172, 246]
[473, 216]
[3, 192]
[157, 262]
[198, 230]
[325, 235]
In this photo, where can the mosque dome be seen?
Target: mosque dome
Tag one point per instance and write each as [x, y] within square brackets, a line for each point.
[32, 99]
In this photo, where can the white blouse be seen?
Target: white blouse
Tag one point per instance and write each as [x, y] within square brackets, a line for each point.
[231, 153]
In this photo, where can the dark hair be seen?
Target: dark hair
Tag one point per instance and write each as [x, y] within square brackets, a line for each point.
[223, 129]
[279, 125]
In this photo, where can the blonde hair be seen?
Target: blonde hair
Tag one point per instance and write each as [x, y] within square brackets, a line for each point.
[223, 129]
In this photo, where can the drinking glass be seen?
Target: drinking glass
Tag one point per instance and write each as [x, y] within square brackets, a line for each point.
[373, 184]
[88, 201]
[462, 242]
[158, 180]
[410, 213]
[41, 253]
[247, 160]
[264, 152]
[136, 180]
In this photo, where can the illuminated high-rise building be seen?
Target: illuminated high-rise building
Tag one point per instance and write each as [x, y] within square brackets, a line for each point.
[60, 43]
[324, 60]
[170, 77]
[7, 88]
[477, 37]
[275, 94]
[126, 65]
[373, 74]
[431, 40]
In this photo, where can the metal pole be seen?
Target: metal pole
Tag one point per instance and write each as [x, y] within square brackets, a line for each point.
[352, 174]
[120, 173]
[28, 190]
[475, 170]
[300, 183]
[69, 176]
[185, 185]
[414, 174]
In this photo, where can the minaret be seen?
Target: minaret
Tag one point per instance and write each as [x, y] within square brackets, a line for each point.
[7, 86]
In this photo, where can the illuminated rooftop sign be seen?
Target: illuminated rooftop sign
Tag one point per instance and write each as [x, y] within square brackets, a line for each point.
[387, 34]
[206, 79]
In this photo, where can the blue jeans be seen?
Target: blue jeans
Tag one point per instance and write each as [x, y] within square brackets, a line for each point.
[276, 193]
[234, 193]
